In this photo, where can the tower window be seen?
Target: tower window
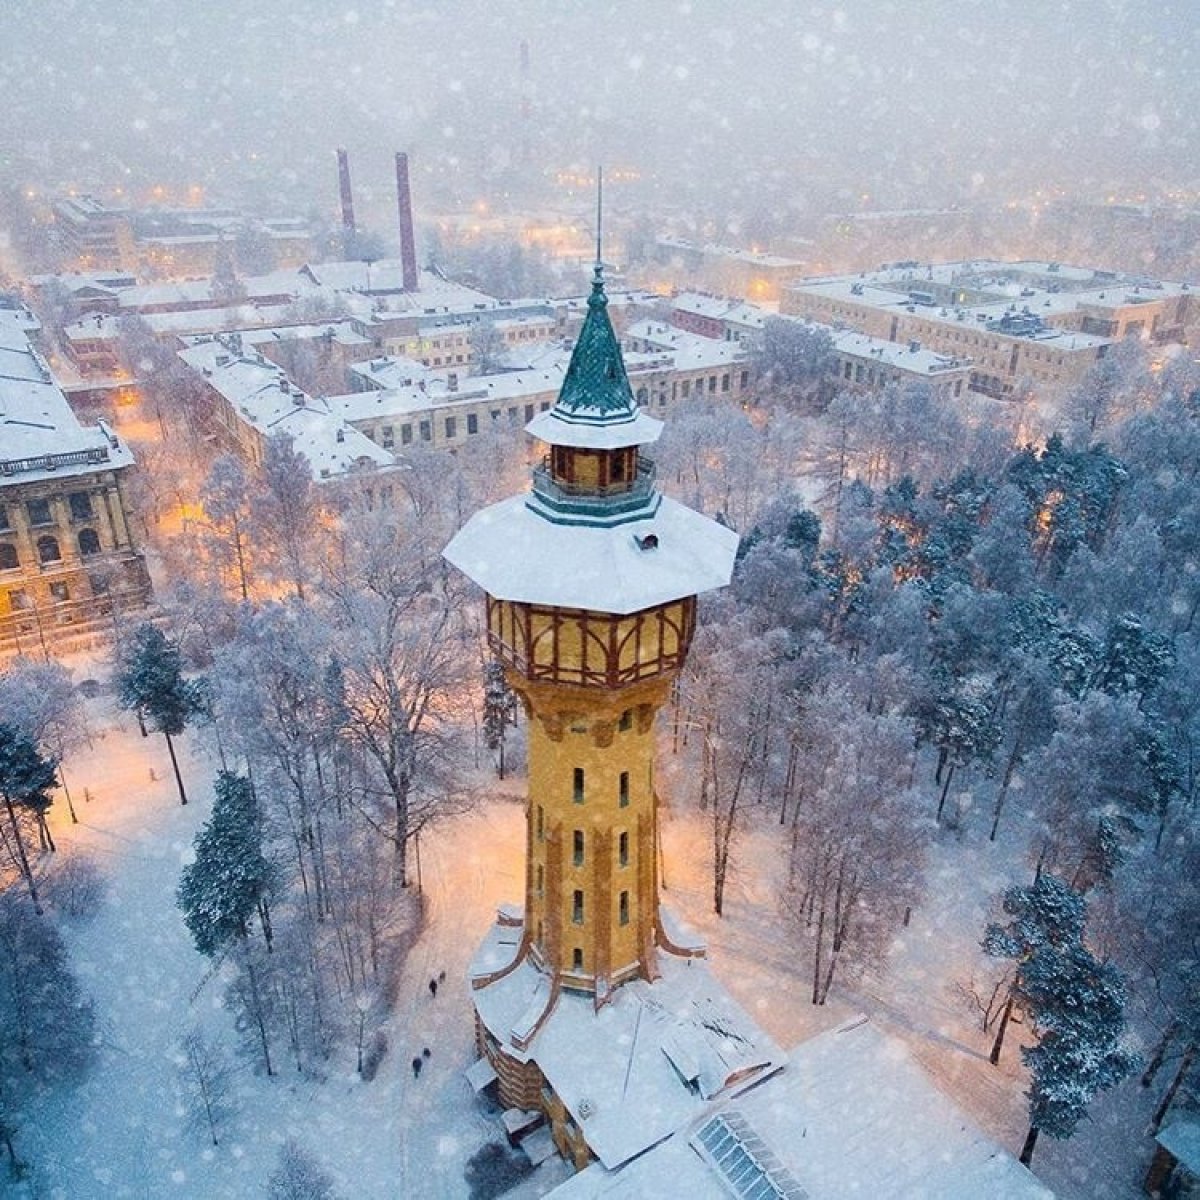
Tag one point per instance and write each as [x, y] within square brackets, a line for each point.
[578, 786]
[577, 907]
[541, 824]
[541, 879]
[578, 847]
[623, 789]
[623, 850]
[626, 721]
[577, 959]
[623, 909]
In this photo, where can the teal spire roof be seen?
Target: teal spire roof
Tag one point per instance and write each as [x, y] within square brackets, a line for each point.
[596, 389]
[596, 405]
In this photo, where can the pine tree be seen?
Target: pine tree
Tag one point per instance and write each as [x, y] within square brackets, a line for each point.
[1078, 1010]
[150, 682]
[1047, 914]
[27, 781]
[499, 710]
[230, 879]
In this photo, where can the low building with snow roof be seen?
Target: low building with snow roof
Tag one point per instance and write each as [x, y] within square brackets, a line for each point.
[68, 555]
[247, 399]
[851, 1113]
[1038, 324]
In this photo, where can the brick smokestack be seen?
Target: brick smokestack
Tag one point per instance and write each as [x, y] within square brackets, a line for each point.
[408, 246]
[347, 197]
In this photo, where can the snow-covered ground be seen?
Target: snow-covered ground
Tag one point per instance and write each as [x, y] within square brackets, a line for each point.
[126, 1131]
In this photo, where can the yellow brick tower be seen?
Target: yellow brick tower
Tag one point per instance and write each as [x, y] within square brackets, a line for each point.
[591, 580]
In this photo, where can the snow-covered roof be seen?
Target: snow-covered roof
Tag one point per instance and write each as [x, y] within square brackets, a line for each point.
[95, 327]
[689, 351]
[40, 437]
[260, 393]
[514, 553]
[621, 1070]
[720, 308]
[850, 1114]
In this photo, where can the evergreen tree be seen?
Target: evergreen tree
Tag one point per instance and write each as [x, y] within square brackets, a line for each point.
[1047, 914]
[499, 710]
[230, 879]
[27, 781]
[150, 682]
[1078, 1010]
[48, 1024]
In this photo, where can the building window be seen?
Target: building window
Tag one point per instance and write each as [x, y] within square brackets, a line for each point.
[4, 522]
[541, 879]
[623, 850]
[39, 512]
[577, 906]
[623, 909]
[59, 593]
[48, 551]
[426, 431]
[725, 382]
[8, 557]
[541, 824]
[626, 721]
[451, 427]
[89, 542]
[405, 435]
[544, 406]
[529, 412]
[81, 506]
[18, 601]
[745, 380]
[623, 789]
[577, 786]
[576, 959]
[472, 423]
[687, 387]
[578, 847]
[712, 383]
[389, 437]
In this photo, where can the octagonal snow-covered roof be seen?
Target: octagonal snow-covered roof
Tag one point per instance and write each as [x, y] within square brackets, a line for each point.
[515, 554]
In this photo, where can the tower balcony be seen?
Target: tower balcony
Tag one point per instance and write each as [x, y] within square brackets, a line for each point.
[590, 504]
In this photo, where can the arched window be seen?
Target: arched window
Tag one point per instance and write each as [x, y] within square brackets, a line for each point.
[48, 550]
[89, 542]
[8, 557]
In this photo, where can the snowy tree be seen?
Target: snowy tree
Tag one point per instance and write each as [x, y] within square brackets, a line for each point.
[1078, 1009]
[226, 499]
[42, 700]
[487, 348]
[150, 682]
[1048, 913]
[299, 1176]
[230, 880]
[27, 781]
[48, 1024]
[208, 1079]
[794, 360]
[858, 841]
[286, 516]
[399, 667]
[499, 710]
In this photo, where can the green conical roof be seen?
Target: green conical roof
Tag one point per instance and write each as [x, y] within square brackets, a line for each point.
[596, 389]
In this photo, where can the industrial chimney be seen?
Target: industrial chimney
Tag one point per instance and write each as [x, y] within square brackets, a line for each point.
[408, 247]
[344, 183]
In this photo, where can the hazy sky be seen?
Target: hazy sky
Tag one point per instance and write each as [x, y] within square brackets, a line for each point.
[898, 100]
